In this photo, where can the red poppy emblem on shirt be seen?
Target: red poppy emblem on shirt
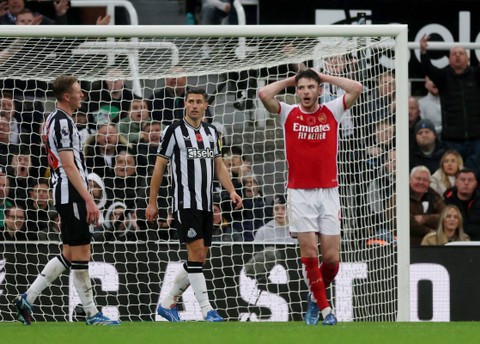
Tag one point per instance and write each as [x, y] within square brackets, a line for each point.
[198, 136]
[311, 120]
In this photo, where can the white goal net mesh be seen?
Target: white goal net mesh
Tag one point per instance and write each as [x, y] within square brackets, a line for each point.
[133, 88]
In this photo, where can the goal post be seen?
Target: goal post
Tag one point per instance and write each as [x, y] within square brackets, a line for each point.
[262, 281]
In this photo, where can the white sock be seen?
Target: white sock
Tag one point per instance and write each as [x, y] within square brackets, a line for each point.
[180, 284]
[54, 268]
[326, 311]
[199, 285]
[83, 285]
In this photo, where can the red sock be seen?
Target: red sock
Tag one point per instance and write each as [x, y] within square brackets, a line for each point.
[328, 271]
[314, 280]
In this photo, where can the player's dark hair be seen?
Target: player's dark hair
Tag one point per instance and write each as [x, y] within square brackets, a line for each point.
[62, 84]
[308, 74]
[196, 90]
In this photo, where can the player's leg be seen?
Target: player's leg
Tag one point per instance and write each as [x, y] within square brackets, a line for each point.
[330, 246]
[81, 278]
[76, 238]
[168, 307]
[329, 229]
[54, 268]
[197, 229]
[304, 218]
[197, 254]
[83, 285]
[317, 297]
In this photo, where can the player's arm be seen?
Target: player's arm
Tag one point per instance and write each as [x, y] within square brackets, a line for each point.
[157, 177]
[352, 88]
[267, 93]
[74, 177]
[224, 178]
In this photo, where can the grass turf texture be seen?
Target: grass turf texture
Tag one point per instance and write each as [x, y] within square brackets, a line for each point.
[241, 332]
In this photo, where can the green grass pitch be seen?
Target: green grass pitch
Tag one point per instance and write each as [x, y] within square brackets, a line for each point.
[242, 332]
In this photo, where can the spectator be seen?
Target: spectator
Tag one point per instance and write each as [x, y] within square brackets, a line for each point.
[3, 8]
[344, 66]
[7, 109]
[109, 100]
[238, 165]
[414, 116]
[450, 228]
[96, 186]
[53, 232]
[381, 198]
[466, 197]
[148, 146]
[16, 7]
[430, 107]
[128, 187]
[101, 149]
[276, 230]
[6, 146]
[192, 11]
[29, 113]
[25, 17]
[444, 178]
[253, 214]
[384, 136]
[4, 201]
[14, 225]
[427, 150]
[21, 174]
[38, 208]
[85, 128]
[167, 104]
[215, 12]
[382, 105]
[125, 185]
[425, 205]
[147, 151]
[120, 224]
[222, 229]
[459, 86]
[131, 126]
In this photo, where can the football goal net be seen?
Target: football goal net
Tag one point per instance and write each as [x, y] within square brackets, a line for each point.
[134, 79]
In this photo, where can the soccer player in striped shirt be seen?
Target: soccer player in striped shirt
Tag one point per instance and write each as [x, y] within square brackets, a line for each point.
[311, 140]
[193, 149]
[72, 201]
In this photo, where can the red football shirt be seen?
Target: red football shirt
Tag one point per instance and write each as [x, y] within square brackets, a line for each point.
[311, 144]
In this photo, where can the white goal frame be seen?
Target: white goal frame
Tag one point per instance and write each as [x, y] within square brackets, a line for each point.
[398, 32]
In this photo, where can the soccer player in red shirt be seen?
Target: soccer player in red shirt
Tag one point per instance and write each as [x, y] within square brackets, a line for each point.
[311, 145]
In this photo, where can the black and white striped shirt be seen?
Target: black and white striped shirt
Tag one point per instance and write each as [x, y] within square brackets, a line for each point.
[191, 152]
[61, 134]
